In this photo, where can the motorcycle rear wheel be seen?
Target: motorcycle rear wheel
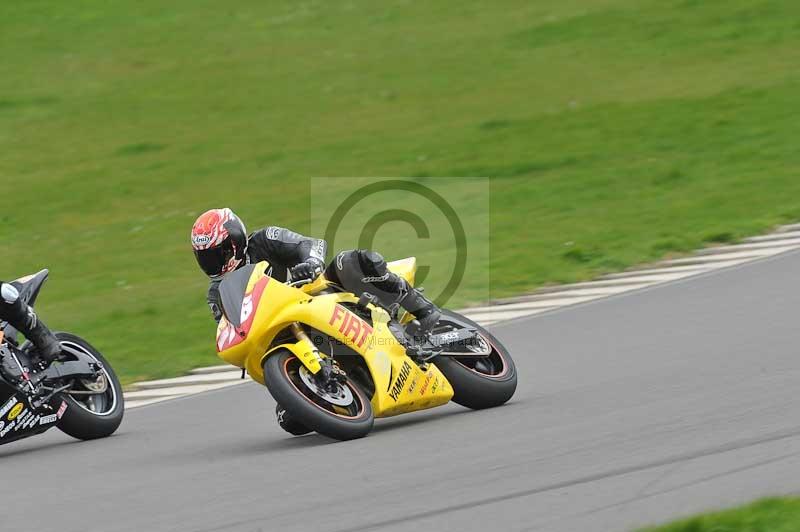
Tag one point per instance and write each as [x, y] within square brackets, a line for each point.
[283, 375]
[478, 382]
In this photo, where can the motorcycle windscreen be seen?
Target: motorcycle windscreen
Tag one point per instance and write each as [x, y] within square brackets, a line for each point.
[232, 290]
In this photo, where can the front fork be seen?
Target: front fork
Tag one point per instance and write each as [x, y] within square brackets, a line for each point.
[325, 370]
[322, 366]
[305, 349]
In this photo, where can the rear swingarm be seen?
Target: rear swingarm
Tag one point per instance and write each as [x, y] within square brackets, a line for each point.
[461, 343]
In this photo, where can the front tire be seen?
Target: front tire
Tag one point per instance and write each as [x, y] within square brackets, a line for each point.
[89, 417]
[477, 382]
[285, 381]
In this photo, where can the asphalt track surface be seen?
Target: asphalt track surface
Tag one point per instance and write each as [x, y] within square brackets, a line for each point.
[630, 410]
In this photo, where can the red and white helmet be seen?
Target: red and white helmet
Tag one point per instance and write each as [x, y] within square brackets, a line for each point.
[219, 240]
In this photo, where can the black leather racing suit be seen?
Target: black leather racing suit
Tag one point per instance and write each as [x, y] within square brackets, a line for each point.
[356, 271]
[282, 248]
[22, 317]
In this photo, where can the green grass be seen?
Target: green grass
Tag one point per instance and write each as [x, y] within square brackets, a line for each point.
[614, 131]
[768, 515]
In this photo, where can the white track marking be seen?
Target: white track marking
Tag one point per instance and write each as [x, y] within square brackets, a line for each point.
[579, 292]
[190, 380]
[487, 318]
[179, 390]
[783, 239]
[748, 247]
[774, 237]
[213, 369]
[138, 403]
[157, 395]
[725, 257]
[555, 301]
[691, 268]
[609, 284]
[788, 228]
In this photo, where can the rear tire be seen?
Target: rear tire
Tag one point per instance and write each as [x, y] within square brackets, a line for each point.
[79, 421]
[479, 383]
[282, 377]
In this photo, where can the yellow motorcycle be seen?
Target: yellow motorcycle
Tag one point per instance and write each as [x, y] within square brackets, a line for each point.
[334, 361]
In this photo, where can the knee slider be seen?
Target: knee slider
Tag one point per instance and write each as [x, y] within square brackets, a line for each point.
[9, 293]
[372, 262]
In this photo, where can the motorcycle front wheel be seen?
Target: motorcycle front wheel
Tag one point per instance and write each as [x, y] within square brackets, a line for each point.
[342, 414]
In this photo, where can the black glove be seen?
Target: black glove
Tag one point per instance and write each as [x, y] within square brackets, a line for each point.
[309, 270]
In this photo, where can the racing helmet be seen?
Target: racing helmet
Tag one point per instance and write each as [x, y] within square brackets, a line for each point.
[219, 241]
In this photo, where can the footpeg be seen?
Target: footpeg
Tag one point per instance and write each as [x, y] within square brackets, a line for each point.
[422, 353]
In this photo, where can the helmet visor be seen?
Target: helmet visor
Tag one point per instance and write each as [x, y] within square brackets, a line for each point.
[213, 261]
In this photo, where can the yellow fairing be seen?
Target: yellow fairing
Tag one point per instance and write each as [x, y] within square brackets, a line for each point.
[406, 268]
[400, 385]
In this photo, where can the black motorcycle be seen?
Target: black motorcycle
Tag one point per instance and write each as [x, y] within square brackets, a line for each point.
[78, 393]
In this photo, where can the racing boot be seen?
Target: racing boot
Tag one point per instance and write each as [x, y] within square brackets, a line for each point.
[45, 343]
[24, 319]
[425, 312]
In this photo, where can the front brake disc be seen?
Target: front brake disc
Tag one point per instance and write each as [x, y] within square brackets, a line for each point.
[342, 396]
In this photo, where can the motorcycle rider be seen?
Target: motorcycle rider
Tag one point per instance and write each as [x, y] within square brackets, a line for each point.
[23, 318]
[221, 245]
